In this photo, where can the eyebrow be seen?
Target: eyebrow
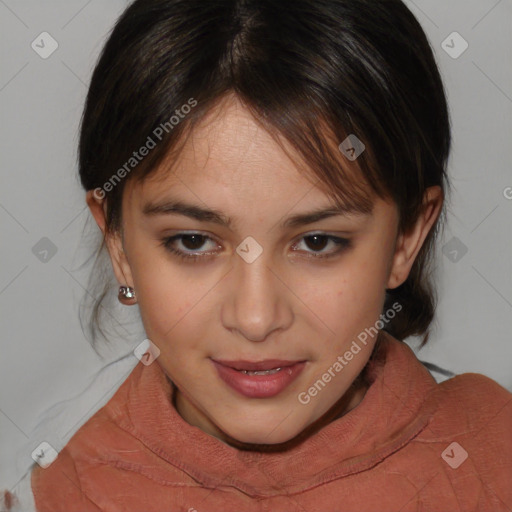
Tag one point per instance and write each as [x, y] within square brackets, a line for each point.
[172, 207]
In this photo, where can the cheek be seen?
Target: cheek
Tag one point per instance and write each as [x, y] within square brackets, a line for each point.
[164, 297]
[368, 273]
[355, 301]
[175, 305]
[164, 310]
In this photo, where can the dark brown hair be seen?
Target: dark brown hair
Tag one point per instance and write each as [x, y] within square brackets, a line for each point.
[311, 72]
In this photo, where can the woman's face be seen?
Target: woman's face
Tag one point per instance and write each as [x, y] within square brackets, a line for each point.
[256, 291]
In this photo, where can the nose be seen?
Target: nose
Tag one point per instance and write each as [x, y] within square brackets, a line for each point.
[258, 301]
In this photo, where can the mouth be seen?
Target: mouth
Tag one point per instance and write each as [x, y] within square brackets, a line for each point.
[259, 379]
[268, 365]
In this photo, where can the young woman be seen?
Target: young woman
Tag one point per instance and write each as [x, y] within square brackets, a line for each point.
[270, 179]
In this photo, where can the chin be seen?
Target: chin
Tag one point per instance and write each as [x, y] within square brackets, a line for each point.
[261, 435]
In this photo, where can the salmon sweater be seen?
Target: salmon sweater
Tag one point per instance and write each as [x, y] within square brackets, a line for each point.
[410, 445]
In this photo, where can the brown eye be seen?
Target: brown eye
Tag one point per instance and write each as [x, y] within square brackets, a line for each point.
[193, 242]
[188, 242]
[316, 243]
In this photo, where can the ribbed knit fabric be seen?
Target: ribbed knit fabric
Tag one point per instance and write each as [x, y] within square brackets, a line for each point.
[396, 451]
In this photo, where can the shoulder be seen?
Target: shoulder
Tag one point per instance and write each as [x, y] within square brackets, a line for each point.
[476, 398]
[471, 402]
[63, 485]
[474, 412]
[58, 487]
[468, 439]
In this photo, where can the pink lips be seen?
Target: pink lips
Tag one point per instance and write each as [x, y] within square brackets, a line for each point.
[259, 386]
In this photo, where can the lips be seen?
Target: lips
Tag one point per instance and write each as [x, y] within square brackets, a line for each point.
[267, 364]
[259, 379]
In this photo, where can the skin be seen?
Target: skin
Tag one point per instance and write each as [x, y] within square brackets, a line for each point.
[286, 304]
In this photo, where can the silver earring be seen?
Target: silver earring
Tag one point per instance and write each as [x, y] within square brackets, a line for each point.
[127, 295]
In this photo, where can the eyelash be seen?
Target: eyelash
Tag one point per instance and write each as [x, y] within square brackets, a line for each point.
[342, 243]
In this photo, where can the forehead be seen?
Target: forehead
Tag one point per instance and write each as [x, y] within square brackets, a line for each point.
[229, 149]
[229, 158]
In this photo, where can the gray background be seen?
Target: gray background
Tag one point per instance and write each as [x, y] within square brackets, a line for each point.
[44, 356]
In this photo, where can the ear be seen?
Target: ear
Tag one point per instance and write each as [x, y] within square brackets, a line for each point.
[114, 241]
[409, 244]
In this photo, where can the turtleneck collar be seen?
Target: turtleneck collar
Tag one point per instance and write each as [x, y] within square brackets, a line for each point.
[387, 418]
